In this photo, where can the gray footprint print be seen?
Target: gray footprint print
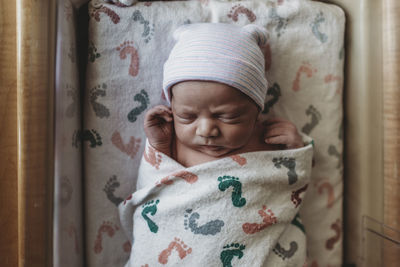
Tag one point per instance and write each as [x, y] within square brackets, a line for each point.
[315, 118]
[315, 28]
[210, 228]
[281, 22]
[290, 164]
[110, 187]
[275, 92]
[286, 254]
[100, 110]
[72, 108]
[148, 30]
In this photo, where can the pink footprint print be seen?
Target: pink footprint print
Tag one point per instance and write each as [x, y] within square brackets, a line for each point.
[305, 68]
[336, 226]
[268, 219]
[109, 12]
[127, 246]
[239, 159]
[165, 181]
[180, 246]
[239, 9]
[131, 149]
[127, 199]
[127, 48]
[106, 228]
[119, 4]
[68, 10]
[189, 177]
[72, 233]
[326, 186]
[296, 195]
[152, 157]
[332, 78]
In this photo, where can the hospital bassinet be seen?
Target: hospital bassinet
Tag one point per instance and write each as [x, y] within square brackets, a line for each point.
[38, 123]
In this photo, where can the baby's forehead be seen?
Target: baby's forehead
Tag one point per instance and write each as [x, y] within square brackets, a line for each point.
[196, 95]
[201, 88]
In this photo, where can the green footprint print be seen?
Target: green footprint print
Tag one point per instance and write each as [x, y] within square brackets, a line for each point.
[150, 208]
[143, 99]
[231, 251]
[227, 181]
[93, 137]
[297, 222]
[92, 52]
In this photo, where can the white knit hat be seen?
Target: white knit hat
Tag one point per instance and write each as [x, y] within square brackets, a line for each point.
[219, 52]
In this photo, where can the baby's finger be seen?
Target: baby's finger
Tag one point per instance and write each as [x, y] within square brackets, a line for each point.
[278, 131]
[278, 140]
[283, 124]
[159, 112]
[160, 109]
[274, 121]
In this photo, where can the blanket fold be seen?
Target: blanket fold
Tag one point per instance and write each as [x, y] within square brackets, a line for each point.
[235, 211]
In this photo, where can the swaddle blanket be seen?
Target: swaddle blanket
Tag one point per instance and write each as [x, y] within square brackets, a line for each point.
[235, 211]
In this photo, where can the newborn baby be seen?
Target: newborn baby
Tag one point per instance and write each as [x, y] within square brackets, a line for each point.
[216, 88]
[216, 186]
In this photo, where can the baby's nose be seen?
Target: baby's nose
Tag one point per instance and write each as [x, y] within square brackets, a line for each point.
[207, 128]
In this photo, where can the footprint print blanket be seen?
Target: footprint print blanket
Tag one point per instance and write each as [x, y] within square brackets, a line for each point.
[235, 211]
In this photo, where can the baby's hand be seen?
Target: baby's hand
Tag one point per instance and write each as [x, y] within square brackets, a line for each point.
[158, 127]
[278, 131]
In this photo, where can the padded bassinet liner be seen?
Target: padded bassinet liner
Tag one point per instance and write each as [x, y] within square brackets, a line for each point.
[127, 49]
[68, 208]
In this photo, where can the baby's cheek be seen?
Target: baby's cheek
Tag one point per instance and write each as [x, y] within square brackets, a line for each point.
[239, 136]
[183, 132]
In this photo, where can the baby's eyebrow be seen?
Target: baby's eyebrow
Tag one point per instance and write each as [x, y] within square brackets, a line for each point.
[187, 109]
[228, 109]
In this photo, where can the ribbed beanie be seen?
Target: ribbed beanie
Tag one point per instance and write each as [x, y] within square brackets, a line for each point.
[219, 52]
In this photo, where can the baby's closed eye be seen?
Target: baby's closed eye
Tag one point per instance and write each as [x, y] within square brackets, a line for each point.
[186, 117]
[229, 118]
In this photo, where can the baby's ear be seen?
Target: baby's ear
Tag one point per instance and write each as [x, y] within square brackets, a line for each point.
[259, 33]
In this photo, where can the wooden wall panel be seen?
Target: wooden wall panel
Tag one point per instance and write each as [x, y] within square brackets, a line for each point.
[8, 135]
[27, 39]
[35, 97]
[391, 113]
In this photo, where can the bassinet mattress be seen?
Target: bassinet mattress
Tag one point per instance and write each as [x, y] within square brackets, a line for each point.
[127, 49]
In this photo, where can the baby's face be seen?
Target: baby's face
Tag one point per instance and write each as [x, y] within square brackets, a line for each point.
[211, 117]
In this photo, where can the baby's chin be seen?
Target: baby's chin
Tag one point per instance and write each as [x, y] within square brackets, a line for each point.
[216, 151]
